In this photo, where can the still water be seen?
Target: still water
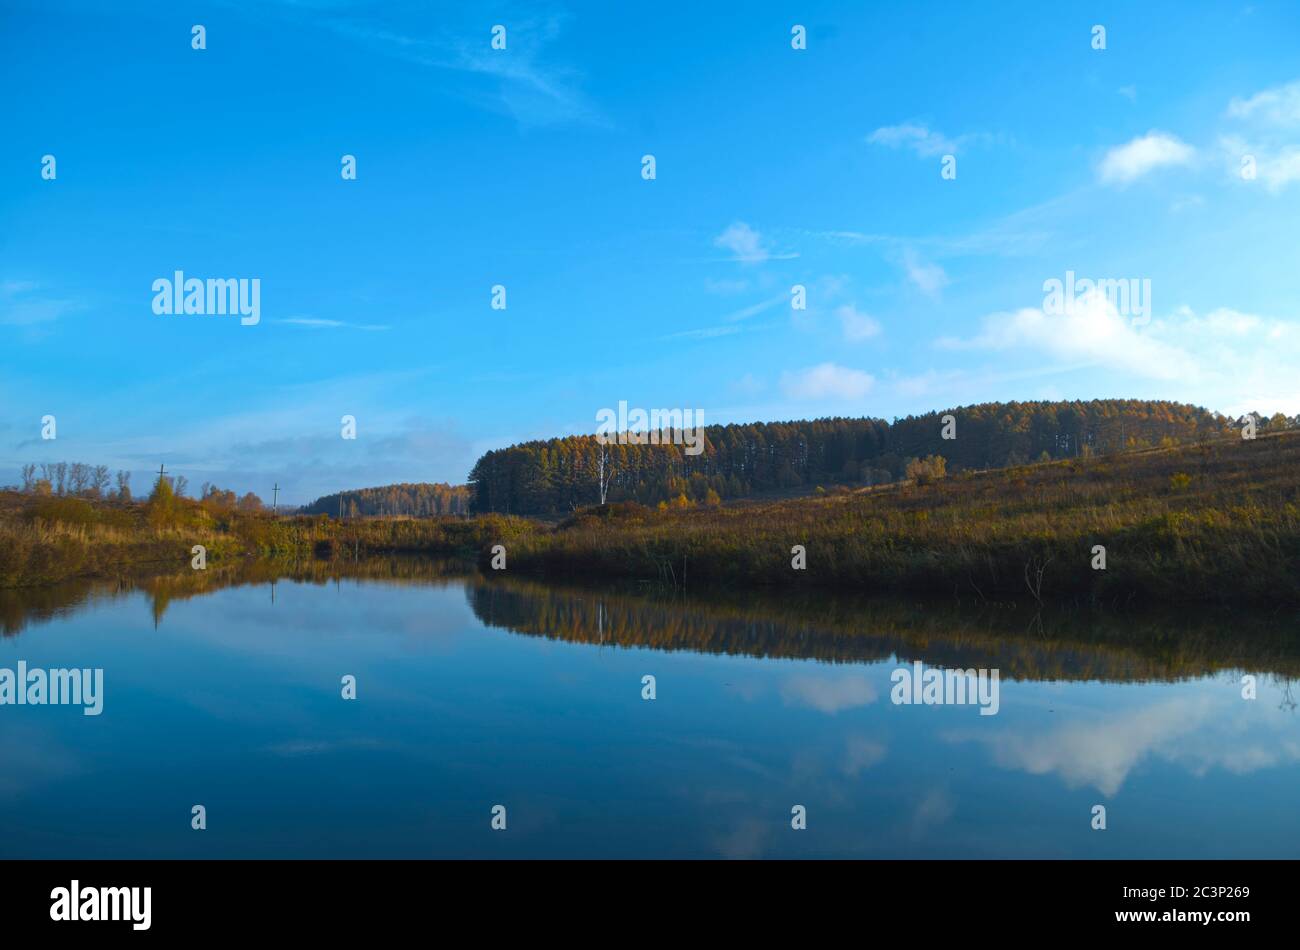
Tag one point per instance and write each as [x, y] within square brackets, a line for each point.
[472, 692]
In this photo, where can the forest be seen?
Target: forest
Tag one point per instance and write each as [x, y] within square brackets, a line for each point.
[415, 500]
[557, 476]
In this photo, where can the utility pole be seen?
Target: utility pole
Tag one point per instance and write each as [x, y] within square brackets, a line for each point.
[275, 498]
[161, 471]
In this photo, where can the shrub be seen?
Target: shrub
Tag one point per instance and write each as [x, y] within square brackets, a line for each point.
[63, 511]
[927, 470]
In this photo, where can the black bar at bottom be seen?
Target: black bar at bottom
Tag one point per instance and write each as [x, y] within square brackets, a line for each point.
[368, 898]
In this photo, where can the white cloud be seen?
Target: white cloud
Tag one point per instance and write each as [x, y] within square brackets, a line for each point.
[827, 381]
[1270, 119]
[1277, 106]
[1127, 163]
[1198, 733]
[1100, 754]
[857, 326]
[914, 135]
[829, 695]
[744, 243]
[1092, 331]
[1275, 166]
[1279, 169]
[1226, 360]
[930, 279]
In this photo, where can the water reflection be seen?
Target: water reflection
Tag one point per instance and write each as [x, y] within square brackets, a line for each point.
[1061, 644]
[475, 689]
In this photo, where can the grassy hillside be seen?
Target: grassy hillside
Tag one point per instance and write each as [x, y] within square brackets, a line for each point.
[550, 477]
[1218, 521]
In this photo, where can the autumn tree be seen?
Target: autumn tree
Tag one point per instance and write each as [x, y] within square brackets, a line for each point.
[927, 470]
[161, 507]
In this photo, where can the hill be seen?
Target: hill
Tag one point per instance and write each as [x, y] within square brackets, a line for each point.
[1217, 521]
[555, 476]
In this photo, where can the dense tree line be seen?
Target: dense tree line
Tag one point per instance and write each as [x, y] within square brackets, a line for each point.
[555, 476]
[417, 500]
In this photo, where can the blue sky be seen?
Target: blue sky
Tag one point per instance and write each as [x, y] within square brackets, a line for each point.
[522, 167]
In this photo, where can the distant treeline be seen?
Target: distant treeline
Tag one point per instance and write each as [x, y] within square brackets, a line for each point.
[417, 500]
[74, 478]
[556, 475]
[92, 483]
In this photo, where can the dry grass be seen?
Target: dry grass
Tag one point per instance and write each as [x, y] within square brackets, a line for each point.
[1218, 521]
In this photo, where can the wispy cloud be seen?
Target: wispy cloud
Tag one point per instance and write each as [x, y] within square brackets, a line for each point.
[23, 305]
[746, 245]
[830, 695]
[726, 287]
[1015, 234]
[526, 85]
[1277, 106]
[731, 323]
[744, 313]
[856, 325]
[862, 752]
[743, 242]
[928, 278]
[916, 136]
[321, 324]
[1266, 127]
[704, 333]
[827, 381]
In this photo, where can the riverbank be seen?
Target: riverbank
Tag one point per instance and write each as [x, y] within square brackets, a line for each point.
[1217, 522]
[1214, 522]
[47, 540]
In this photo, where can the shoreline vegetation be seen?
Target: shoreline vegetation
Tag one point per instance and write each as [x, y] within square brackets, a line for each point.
[1213, 521]
[1162, 644]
